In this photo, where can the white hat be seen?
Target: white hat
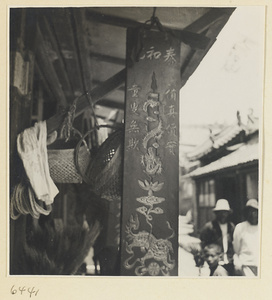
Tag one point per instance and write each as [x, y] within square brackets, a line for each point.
[222, 204]
[252, 203]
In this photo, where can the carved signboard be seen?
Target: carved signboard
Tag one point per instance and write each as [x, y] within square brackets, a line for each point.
[151, 156]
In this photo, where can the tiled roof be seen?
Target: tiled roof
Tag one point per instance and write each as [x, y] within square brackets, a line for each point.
[227, 135]
[245, 154]
[216, 141]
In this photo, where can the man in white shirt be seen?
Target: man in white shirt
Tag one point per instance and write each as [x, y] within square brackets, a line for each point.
[246, 242]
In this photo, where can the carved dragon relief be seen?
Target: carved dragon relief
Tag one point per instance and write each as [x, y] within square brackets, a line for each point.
[151, 162]
[157, 253]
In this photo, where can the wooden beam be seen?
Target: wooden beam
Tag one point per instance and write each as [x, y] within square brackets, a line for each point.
[47, 28]
[108, 58]
[45, 83]
[96, 93]
[208, 19]
[104, 89]
[98, 82]
[191, 38]
[17, 21]
[81, 48]
[110, 103]
[19, 119]
[48, 70]
[93, 16]
[62, 22]
[195, 40]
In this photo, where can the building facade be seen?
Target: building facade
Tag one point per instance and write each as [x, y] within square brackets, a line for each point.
[228, 167]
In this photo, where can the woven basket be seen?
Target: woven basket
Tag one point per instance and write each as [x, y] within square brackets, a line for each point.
[104, 173]
[64, 162]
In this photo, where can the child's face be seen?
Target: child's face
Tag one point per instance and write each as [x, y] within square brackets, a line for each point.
[212, 257]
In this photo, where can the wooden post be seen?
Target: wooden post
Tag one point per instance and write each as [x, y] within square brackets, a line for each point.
[149, 230]
[21, 91]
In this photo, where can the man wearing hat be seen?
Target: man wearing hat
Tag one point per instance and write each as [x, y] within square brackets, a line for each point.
[246, 242]
[220, 231]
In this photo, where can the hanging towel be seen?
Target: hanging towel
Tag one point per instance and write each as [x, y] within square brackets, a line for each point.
[31, 145]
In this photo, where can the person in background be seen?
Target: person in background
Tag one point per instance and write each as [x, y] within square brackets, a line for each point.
[245, 242]
[213, 255]
[220, 232]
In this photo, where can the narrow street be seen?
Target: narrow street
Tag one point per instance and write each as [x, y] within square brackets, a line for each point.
[187, 265]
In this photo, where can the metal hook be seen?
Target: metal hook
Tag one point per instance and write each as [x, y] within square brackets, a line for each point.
[154, 21]
[154, 11]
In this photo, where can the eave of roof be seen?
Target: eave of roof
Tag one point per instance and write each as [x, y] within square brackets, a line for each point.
[244, 155]
[217, 141]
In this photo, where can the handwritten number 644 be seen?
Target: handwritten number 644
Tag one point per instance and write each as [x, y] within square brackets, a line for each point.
[21, 289]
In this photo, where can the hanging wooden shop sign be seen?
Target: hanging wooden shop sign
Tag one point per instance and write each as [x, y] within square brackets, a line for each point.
[151, 156]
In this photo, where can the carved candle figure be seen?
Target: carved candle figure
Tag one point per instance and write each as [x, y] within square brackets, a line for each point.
[151, 106]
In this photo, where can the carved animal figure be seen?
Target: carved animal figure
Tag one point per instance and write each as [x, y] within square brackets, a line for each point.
[157, 249]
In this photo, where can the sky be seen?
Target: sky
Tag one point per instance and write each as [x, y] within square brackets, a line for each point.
[230, 77]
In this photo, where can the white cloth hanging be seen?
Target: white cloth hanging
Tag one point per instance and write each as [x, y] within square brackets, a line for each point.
[31, 145]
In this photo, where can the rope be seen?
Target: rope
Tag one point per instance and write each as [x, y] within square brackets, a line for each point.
[67, 125]
[92, 108]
